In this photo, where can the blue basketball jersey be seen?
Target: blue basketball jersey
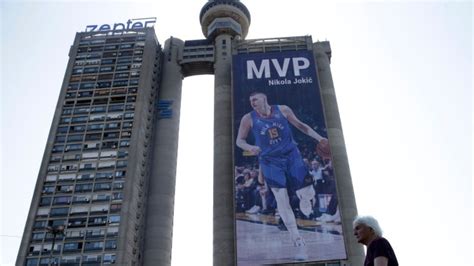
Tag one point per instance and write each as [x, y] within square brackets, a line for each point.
[273, 133]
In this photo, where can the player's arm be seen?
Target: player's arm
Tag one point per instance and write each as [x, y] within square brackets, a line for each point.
[298, 124]
[244, 128]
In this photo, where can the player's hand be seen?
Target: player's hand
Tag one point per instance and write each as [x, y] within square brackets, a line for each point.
[255, 150]
[323, 149]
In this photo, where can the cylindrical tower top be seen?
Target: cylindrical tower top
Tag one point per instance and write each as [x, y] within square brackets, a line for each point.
[224, 16]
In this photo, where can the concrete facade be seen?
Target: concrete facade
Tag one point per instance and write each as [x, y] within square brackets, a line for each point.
[161, 190]
[94, 175]
[347, 203]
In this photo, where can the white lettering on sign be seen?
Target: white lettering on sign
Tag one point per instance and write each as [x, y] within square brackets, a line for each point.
[131, 24]
[298, 63]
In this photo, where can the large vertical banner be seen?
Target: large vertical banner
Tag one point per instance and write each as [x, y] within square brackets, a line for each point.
[286, 205]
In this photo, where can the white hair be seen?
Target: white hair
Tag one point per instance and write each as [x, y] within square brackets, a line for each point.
[368, 221]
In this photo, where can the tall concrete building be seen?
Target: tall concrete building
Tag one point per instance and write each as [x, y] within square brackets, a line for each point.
[105, 191]
[94, 175]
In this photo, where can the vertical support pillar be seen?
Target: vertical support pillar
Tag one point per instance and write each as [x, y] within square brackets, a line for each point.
[345, 191]
[161, 191]
[223, 216]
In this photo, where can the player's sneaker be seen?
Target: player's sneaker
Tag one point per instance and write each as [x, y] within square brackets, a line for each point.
[336, 218]
[300, 247]
[254, 210]
[325, 218]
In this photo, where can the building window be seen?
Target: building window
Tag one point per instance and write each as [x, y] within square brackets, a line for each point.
[114, 116]
[40, 224]
[81, 199]
[105, 165]
[70, 260]
[111, 47]
[53, 168]
[34, 261]
[48, 261]
[99, 209]
[92, 145]
[117, 107]
[51, 178]
[87, 166]
[127, 60]
[114, 219]
[94, 259]
[73, 86]
[64, 200]
[79, 210]
[104, 175]
[121, 164]
[65, 188]
[122, 154]
[77, 222]
[118, 185]
[106, 69]
[68, 167]
[112, 231]
[79, 119]
[95, 233]
[117, 196]
[111, 135]
[48, 189]
[104, 84]
[45, 201]
[58, 148]
[73, 147]
[67, 177]
[38, 236]
[111, 244]
[74, 234]
[72, 157]
[110, 144]
[120, 173]
[114, 208]
[58, 222]
[83, 187]
[62, 130]
[77, 70]
[97, 221]
[101, 197]
[102, 186]
[127, 124]
[84, 94]
[108, 154]
[59, 212]
[95, 127]
[35, 250]
[108, 61]
[98, 109]
[96, 136]
[78, 128]
[72, 247]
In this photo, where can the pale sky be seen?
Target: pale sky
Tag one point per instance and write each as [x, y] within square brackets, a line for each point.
[402, 72]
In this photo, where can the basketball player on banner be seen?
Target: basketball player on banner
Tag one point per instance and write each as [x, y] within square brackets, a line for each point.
[280, 160]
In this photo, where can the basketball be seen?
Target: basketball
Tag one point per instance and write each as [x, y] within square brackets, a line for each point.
[323, 149]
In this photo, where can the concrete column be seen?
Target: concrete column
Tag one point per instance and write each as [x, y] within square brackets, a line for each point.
[347, 204]
[223, 174]
[161, 191]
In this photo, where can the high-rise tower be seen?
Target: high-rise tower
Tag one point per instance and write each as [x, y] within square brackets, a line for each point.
[222, 22]
[105, 191]
[91, 194]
